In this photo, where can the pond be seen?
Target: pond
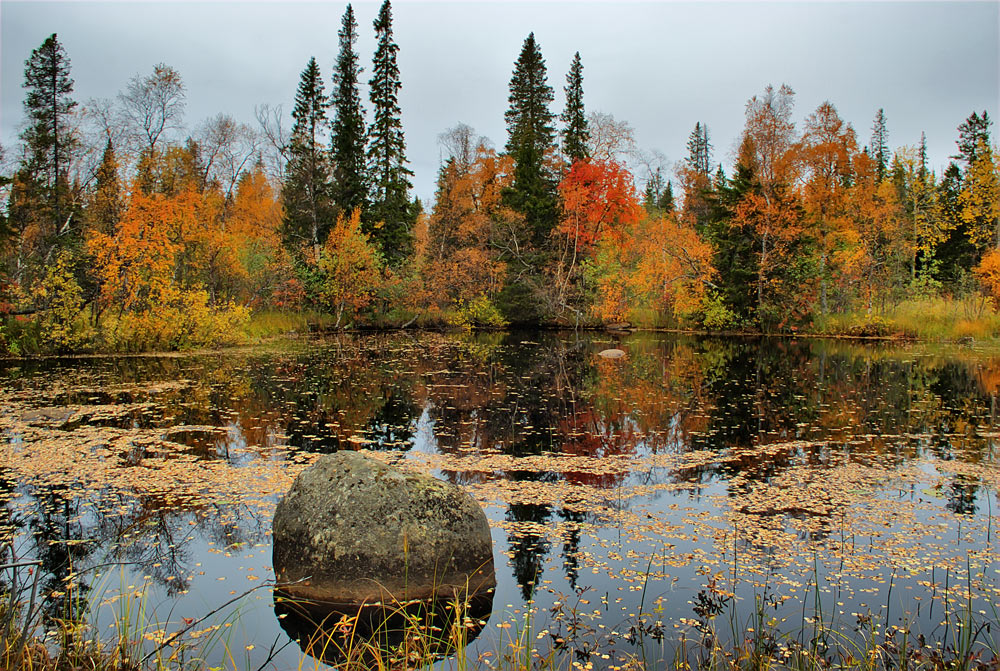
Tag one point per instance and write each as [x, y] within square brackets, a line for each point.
[694, 486]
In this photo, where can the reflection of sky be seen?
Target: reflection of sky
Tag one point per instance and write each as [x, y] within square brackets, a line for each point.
[621, 553]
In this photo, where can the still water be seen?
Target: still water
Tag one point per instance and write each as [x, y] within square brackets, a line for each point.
[633, 502]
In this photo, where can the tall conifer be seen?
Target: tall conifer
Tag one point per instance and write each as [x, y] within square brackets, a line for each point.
[879, 149]
[971, 132]
[956, 255]
[530, 136]
[349, 137]
[699, 150]
[309, 210]
[575, 134]
[388, 174]
[48, 142]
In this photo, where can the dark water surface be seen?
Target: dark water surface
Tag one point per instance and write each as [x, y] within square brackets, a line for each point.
[693, 476]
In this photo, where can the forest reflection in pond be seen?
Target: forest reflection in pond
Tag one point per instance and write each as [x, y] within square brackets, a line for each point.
[866, 471]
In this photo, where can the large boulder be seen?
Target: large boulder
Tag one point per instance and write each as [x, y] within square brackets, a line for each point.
[352, 530]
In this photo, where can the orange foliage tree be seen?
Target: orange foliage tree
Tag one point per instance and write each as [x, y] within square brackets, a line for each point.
[134, 265]
[772, 209]
[461, 259]
[675, 265]
[826, 150]
[875, 250]
[660, 262]
[136, 268]
[988, 274]
[599, 200]
[249, 262]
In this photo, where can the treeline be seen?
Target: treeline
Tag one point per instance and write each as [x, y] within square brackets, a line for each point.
[118, 235]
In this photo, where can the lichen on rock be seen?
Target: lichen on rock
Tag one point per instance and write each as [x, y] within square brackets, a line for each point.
[353, 530]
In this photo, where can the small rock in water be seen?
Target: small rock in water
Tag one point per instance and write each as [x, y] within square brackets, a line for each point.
[611, 353]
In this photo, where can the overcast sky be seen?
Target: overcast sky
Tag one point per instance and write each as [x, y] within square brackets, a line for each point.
[661, 66]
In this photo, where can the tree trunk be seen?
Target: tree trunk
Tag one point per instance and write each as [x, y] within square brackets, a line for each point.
[822, 283]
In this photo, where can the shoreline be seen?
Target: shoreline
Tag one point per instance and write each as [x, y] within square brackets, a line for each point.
[293, 335]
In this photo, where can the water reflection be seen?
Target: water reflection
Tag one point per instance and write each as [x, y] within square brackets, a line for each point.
[398, 636]
[148, 456]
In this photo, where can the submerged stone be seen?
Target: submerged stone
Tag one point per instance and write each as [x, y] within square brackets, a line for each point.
[352, 530]
[372, 636]
[611, 353]
[48, 416]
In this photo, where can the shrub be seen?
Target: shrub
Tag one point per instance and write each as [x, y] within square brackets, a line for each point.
[480, 312]
[184, 320]
[714, 313]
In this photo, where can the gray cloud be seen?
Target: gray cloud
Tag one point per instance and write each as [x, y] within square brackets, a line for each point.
[661, 66]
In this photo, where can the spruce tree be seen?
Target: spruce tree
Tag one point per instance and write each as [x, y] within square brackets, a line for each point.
[957, 255]
[349, 137]
[720, 181]
[48, 142]
[309, 210]
[666, 200]
[697, 182]
[735, 247]
[971, 132]
[923, 155]
[653, 187]
[530, 137]
[575, 134]
[699, 150]
[659, 195]
[388, 174]
[106, 203]
[879, 149]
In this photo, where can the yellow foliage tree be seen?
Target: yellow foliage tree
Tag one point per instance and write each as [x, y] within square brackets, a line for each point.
[140, 271]
[660, 262]
[350, 267]
[980, 199]
[63, 298]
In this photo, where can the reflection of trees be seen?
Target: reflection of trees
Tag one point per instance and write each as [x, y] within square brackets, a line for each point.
[9, 525]
[160, 548]
[155, 535]
[553, 396]
[391, 427]
[61, 545]
[962, 494]
[571, 545]
[528, 548]
[152, 534]
[757, 390]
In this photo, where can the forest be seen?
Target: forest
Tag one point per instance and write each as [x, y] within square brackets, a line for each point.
[114, 236]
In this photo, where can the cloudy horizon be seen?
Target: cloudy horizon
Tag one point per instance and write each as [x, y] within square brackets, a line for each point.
[660, 66]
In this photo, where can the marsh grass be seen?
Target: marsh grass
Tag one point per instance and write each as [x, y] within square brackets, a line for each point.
[135, 639]
[19, 611]
[268, 323]
[383, 637]
[933, 319]
[720, 639]
[732, 627]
